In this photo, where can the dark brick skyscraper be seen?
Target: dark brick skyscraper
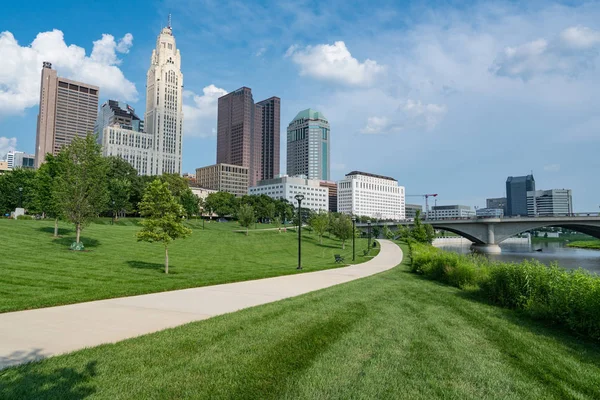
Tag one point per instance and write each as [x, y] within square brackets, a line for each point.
[248, 134]
[270, 137]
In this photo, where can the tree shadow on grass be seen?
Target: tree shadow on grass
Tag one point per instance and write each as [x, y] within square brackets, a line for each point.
[68, 240]
[50, 229]
[150, 266]
[34, 381]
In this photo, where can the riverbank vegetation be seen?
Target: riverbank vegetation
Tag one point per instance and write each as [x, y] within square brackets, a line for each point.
[587, 244]
[566, 298]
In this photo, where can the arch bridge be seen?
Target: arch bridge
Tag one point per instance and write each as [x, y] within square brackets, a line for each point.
[487, 233]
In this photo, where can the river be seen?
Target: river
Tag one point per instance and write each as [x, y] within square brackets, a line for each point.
[566, 257]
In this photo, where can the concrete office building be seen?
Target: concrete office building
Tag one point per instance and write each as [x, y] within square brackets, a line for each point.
[516, 194]
[132, 146]
[114, 112]
[4, 167]
[202, 193]
[18, 159]
[489, 212]
[332, 186]
[496, 203]
[375, 196]
[548, 203]
[316, 197]
[164, 96]
[308, 150]
[451, 211]
[224, 178]
[270, 132]
[410, 210]
[68, 109]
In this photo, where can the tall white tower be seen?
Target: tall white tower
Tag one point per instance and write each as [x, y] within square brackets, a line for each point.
[164, 116]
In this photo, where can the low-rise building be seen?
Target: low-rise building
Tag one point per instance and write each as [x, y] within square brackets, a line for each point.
[451, 211]
[370, 195]
[496, 202]
[135, 147]
[489, 212]
[4, 167]
[410, 210]
[549, 202]
[18, 159]
[316, 197]
[202, 193]
[224, 178]
[332, 186]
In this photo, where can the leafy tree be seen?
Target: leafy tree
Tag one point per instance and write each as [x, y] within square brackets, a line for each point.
[10, 195]
[120, 169]
[319, 222]
[404, 233]
[270, 211]
[45, 186]
[190, 203]
[387, 232]
[119, 190]
[246, 216]
[162, 214]
[429, 233]
[138, 186]
[342, 228]
[81, 190]
[376, 231]
[285, 209]
[277, 222]
[177, 184]
[221, 203]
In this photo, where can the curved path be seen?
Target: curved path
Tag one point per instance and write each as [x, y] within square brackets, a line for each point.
[34, 334]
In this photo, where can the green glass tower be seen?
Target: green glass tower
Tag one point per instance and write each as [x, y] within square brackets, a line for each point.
[308, 145]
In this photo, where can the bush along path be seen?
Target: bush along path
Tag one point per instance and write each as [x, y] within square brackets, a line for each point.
[567, 298]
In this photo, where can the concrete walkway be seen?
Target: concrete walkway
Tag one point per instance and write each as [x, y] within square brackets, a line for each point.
[34, 334]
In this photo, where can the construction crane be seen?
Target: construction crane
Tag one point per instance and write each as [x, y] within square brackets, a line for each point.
[427, 196]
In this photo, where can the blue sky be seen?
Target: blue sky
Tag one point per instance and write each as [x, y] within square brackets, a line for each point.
[447, 97]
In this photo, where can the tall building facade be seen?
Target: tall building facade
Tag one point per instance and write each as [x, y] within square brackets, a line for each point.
[224, 178]
[239, 132]
[164, 115]
[308, 150]
[554, 202]
[114, 112]
[516, 194]
[332, 186]
[374, 196]
[271, 126]
[68, 109]
[316, 197]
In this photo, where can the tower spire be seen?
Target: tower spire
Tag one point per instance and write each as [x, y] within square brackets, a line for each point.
[169, 22]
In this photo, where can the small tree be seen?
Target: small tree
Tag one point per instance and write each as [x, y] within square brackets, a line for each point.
[319, 222]
[81, 190]
[162, 214]
[376, 231]
[45, 185]
[343, 229]
[221, 203]
[270, 211]
[387, 232]
[277, 221]
[246, 216]
[429, 233]
[119, 190]
[190, 203]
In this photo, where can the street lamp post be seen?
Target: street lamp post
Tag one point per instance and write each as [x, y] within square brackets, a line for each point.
[353, 237]
[20, 197]
[369, 225]
[114, 212]
[299, 198]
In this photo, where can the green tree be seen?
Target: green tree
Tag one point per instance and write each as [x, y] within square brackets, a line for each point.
[342, 228]
[246, 216]
[162, 222]
[376, 231]
[221, 203]
[429, 233]
[319, 222]
[119, 190]
[190, 203]
[81, 190]
[270, 211]
[277, 222]
[45, 186]
[177, 184]
[404, 233]
[387, 232]
[17, 188]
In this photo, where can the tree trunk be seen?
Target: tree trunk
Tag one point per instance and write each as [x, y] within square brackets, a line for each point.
[246, 231]
[78, 229]
[56, 227]
[343, 245]
[166, 260]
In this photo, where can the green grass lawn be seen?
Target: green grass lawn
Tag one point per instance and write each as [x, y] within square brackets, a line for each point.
[586, 244]
[394, 335]
[38, 270]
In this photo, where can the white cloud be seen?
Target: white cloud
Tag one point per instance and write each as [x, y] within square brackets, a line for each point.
[260, 52]
[334, 63]
[413, 115]
[200, 112]
[552, 168]
[6, 145]
[574, 50]
[376, 125]
[20, 72]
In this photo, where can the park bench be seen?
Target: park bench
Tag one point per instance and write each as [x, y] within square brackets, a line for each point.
[338, 258]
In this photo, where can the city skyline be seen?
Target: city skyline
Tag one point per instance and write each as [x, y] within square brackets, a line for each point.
[481, 124]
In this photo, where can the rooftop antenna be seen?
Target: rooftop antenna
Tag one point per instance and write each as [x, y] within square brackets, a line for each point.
[169, 24]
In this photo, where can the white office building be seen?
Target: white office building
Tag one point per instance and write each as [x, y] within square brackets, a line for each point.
[132, 146]
[452, 211]
[549, 202]
[18, 159]
[489, 212]
[316, 197]
[375, 196]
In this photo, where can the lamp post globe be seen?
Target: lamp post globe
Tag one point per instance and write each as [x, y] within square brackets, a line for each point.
[20, 197]
[299, 198]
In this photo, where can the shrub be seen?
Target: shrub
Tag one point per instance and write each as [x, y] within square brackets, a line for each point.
[25, 217]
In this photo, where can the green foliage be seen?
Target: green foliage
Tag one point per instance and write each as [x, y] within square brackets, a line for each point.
[119, 190]
[586, 244]
[176, 183]
[81, 190]
[342, 228]
[387, 232]
[569, 298]
[45, 186]
[376, 231]
[10, 196]
[246, 216]
[162, 214]
[277, 222]
[24, 217]
[190, 203]
[220, 203]
[319, 222]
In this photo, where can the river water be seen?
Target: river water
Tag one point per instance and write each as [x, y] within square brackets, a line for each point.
[566, 257]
